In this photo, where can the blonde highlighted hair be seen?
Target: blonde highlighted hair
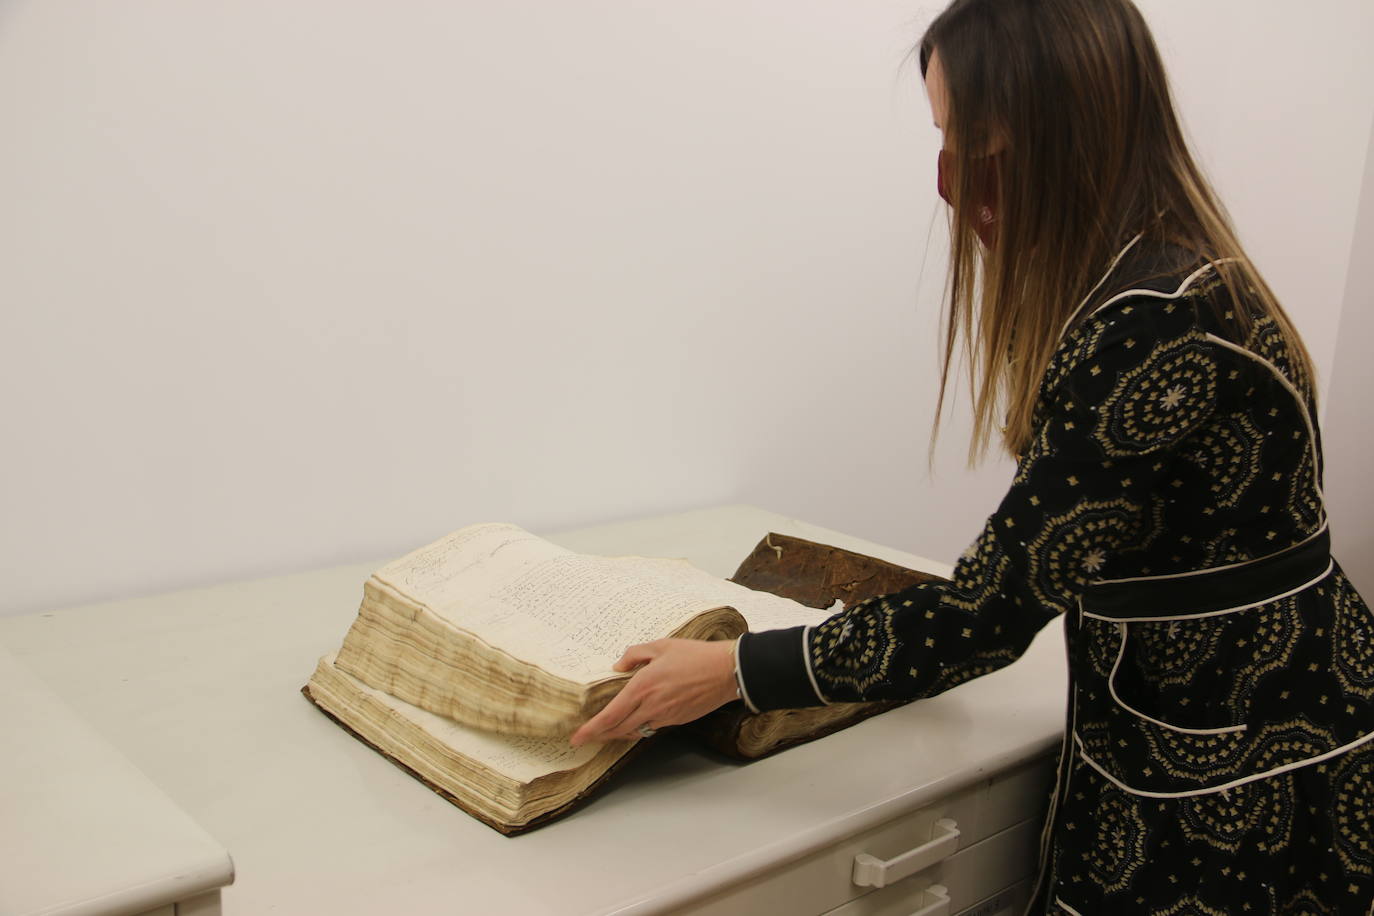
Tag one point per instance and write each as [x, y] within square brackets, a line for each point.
[1075, 92]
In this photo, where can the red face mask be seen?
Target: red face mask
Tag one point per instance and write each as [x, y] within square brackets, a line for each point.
[983, 191]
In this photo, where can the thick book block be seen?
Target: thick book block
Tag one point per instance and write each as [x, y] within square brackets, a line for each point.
[472, 658]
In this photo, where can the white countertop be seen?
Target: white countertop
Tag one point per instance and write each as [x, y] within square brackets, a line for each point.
[199, 689]
[81, 829]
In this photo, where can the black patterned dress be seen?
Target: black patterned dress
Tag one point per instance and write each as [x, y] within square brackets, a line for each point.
[1219, 753]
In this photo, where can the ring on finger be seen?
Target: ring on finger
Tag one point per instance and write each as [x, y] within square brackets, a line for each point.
[645, 730]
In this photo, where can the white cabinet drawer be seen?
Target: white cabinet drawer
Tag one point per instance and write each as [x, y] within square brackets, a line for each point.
[1011, 901]
[988, 877]
[823, 880]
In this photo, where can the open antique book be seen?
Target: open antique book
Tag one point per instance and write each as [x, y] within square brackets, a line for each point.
[473, 659]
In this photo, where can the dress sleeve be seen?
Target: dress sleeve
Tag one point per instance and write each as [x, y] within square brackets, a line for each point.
[1123, 391]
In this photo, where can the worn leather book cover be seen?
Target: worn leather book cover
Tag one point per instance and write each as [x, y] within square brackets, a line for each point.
[816, 575]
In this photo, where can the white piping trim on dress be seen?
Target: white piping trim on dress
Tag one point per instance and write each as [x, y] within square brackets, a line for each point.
[1155, 294]
[1212, 790]
[1212, 569]
[1046, 828]
[1302, 406]
[1045, 831]
[739, 682]
[1111, 688]
[1065, 907]
[1098, 285]
[1063, 775]
[806, 657]
[1330, 565]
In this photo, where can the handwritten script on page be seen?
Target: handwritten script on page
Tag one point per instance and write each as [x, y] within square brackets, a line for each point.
[571, 614]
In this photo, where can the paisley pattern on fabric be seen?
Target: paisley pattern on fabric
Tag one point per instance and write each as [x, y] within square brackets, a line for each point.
[980, 572]
[1303, 499]
[1269, 650]
[1119, 848]
[1354, 661]
[1226, 820]
[1071, 549]
[870, 639]
[1224, 550]
[1161, 400]
[1158, 452]
[1307, 903]
[1080, 343]
[1354, 781]
[1172, 653]
[1265, 340]
[1102, 640]
[1249, 850]
[1228, 453]
[1041, 447]
[1205, 761]
[1192, 906]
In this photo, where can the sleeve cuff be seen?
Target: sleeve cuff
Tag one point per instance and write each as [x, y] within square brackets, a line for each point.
[774, 670]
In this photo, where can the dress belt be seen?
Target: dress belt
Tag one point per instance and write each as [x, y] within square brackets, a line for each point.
[1212, 591]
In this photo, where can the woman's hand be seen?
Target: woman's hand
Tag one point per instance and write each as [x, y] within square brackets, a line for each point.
[678, 680]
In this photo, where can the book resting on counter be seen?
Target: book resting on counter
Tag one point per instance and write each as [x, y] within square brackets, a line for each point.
[473, 659]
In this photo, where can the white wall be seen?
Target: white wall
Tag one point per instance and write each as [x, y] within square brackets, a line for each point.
[1349, 438]
[292, 284]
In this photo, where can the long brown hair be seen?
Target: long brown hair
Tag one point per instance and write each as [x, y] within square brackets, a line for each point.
[1076, 92]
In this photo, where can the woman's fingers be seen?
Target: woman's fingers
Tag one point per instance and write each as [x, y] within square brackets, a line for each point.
[677, 680]
[637, 655]
[601, 727]
[621, 717]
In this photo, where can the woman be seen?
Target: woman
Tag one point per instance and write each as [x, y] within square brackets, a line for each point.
[1219, 753]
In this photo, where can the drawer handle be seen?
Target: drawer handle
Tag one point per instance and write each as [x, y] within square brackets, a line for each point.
[940, 907]
[870, 871]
